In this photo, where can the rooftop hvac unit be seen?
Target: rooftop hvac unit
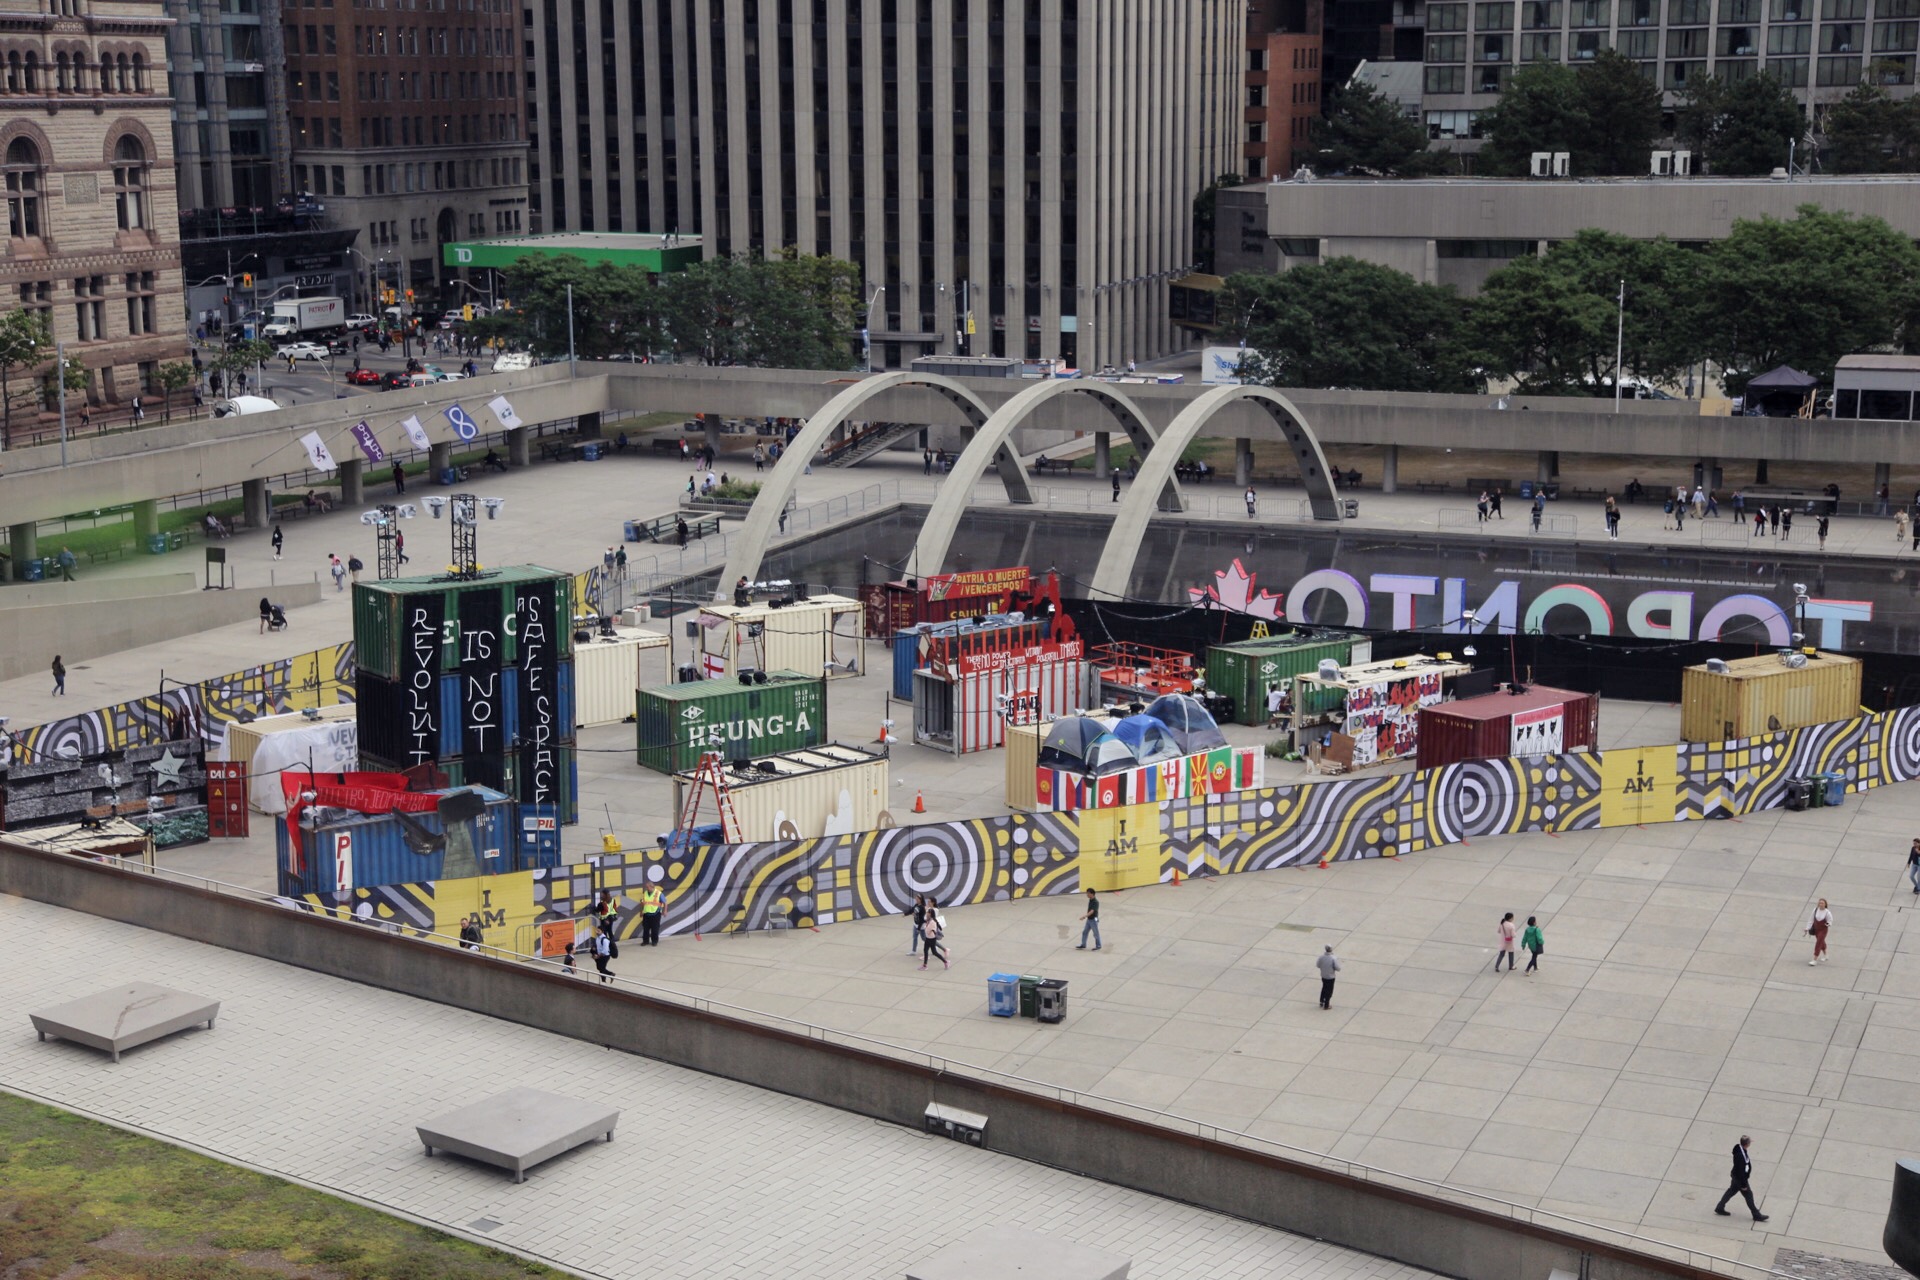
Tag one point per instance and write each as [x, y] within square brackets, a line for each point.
[1662, 164]
[1682, 164]
[1542, 164]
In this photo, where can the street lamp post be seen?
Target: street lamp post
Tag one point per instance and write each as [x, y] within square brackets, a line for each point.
[866, 332]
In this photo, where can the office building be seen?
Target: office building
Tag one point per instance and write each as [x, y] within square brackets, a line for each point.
[1283, 84]
[1031, 163]
[88, 160]
[229, 118]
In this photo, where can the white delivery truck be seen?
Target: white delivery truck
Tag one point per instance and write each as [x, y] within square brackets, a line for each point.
[305, 318]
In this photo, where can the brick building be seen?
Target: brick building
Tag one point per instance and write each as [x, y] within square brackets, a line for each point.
[87, 152]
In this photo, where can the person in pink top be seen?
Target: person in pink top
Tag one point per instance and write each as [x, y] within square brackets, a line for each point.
[1507, 933]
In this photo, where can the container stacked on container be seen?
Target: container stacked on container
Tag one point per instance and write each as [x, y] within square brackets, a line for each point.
[1745, 697]
[674, 724]
[1246, 670]
[339, 849]
[476, 678]
[1539, 721]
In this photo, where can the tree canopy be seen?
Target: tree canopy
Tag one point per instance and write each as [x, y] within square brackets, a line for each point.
[1869, 132]
[1365, 131]
[1740, 129]
[1606, 115]
[1346, 323]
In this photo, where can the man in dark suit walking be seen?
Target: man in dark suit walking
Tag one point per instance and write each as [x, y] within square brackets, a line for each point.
[1742, 1182]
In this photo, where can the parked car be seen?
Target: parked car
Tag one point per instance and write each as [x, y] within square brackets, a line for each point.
[365, 378]
[301, 351]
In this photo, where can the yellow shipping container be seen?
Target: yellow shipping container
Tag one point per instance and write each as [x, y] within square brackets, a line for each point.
[1763, 694]
[797, 795]
[826, 635]
[606, 671]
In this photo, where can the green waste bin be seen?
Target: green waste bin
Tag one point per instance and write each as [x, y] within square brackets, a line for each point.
[1030, 995]
[156, 544]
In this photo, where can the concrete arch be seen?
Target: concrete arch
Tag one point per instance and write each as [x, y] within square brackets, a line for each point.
[1130, 525]
[750, 544]
[936, 535]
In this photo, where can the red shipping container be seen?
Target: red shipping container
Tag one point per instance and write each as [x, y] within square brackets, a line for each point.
[1541, 721]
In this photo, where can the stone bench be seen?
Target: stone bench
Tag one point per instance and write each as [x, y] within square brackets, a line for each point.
[126, 1016]
[1014, 1253]
[518, 1129]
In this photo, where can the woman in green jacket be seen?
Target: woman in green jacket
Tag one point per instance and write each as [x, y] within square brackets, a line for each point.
[1534, 941]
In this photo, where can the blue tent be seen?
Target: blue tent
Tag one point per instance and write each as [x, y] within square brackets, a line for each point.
[1149, 739]
[1108, 754]
[1190, 723]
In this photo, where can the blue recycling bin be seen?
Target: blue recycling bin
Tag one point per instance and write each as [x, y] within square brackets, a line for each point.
[33, 570]
[156, 544]
[1003, 994]
[590, 451]
[1833, 786]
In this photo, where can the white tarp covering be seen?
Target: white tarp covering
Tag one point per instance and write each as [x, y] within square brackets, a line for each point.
[331, 746]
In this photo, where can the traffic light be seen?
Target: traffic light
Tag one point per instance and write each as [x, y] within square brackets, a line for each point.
[246, 279]
[409, 295]
[466, 311]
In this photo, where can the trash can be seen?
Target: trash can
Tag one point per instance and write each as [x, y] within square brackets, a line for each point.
[33, 570]
[1003, 994]
[1831, 787]
[1030, 995]
[590, 451]
[1053, 1000]
[449, 476]
[631, 531]
[1352, 508]
[156, 544]
[1799, 794]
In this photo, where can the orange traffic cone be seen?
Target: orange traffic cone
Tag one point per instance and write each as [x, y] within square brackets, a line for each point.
[919, 805]
[1176, 877]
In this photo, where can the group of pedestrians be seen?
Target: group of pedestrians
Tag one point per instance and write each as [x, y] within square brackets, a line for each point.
[929, 928]
[1533, 941]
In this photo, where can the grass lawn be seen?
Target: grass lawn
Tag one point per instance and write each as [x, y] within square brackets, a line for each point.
[79, 1198]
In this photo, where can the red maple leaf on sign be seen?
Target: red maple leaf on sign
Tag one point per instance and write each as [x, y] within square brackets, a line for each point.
[1234, 593]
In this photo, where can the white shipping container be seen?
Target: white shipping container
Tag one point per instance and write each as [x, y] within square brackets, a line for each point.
[606, 672]
[827, 790]
[973, 712]
[823, 636]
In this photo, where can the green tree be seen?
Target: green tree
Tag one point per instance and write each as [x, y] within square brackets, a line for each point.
[793, 311]
[1540, 110]
[25, 343]
[615, 310]
[175, 375]
[1868, 132]
[1620, 108]
[242, 358]
[1552, 322]
[1807, 291]
[1205, 210]
[1365, 131]
[1740, 129]
[1346, 323]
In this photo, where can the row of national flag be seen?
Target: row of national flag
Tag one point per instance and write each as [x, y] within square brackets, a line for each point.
[320, 458]
[1215, 772]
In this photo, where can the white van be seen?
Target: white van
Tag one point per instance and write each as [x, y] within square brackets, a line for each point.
[241, 405]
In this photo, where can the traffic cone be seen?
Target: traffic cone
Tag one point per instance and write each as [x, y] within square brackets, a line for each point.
[919, 805]
[1176, 877]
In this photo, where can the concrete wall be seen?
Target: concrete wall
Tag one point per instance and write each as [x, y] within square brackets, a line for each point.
[1321, 1201]
[90, 620]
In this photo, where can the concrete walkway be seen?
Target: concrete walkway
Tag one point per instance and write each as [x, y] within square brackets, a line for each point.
[705, 1178]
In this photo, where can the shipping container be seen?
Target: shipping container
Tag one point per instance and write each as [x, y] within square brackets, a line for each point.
[972, 713]
[892, 606]
[1376, 704]
[1244, 671]
[675, 723]
[1763, 694]
[824, 636]
[1538, 722]
[798, 795]
[914, 647]
[324, 740]
[384, 627]
[341, 850]
[608, 669]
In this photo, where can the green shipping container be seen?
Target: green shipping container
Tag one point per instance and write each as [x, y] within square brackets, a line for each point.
[380, 615]
[1243, 671]
[676, 723]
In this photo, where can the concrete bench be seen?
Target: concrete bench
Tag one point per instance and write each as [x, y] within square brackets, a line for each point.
[518, 1129]
[1015, 1253]
[125, 1016]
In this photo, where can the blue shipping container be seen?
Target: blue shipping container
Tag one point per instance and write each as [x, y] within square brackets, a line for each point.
[363, 850]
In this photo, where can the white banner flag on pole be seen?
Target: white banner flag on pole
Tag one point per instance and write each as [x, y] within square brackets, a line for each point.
[416, 432]
[317, 451]
[503, 410]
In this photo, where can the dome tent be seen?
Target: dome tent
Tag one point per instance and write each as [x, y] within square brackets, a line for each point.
[1190, 724]
[1067, 740]
[1149, 739]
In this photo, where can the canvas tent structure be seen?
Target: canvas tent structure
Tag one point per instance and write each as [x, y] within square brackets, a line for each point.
[1784, 392]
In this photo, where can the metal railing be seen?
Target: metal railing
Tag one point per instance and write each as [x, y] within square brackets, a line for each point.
[1447, 1194]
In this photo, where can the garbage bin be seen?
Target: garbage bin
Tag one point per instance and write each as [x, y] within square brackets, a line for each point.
[631, 531]
[1831, 787]
[1799, 794]
[1053, 1000]
[1030, 995]
[1816, 794]
[156, 544]
[1003, 994]
[33, 570]
[590, 451]
[1352, 506]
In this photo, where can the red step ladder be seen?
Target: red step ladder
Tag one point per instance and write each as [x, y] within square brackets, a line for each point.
[710, 774]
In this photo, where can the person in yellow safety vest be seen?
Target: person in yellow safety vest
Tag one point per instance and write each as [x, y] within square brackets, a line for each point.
[652, 901]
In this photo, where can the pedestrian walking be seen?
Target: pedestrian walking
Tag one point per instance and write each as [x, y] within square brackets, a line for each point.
[1820, 528]
[1539, 509]
[653, 905]
[1913, 864]
[338, 570]
[1666, 514]
[1679, 517]
[1900, 523]
[399, 478]
[1818, 926]
[279, 540]
[1328, 964]
[139, 410]
[603, 951]
[1699, 503]
[354, 567]
[1739, 505]
[1535, 943]
[566, 962]
[919, 914]
[932, 931]
[1741, 1183]
[67, 562]
[1773, 518]
[1880, 500]
[1613, 523]
[1507, 930]
[1760, 522]
[1493, 504]
[1482, 507]
[620, 562]
[59, 677]
[400, 546]
[266, 614]
[1277, 701]
[1713, 507]
[1251, 499]
[1090, 922]
[606, 562]
[1116, 484]
[926, 460]
[759, 458]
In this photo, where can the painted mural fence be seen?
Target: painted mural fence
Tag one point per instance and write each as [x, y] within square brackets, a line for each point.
[834, 879]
